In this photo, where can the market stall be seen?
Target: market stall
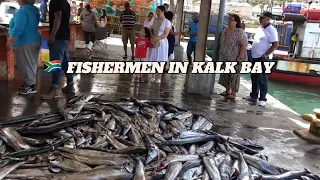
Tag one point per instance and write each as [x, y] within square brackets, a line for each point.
[7, 59]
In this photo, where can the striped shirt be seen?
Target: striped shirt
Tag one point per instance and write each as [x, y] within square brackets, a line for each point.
[128, 19]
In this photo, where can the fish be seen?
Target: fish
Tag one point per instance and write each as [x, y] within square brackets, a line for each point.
[244, 169]
[205, 147]
[91, 153]
[70, 165]
[52, 128]
[245, 142]
[285, 176]
[40, 150]
[190, 140]
[173, 170]
[225, 167]
[205, 175]
[14, 139]
[212, 168]
[199, 122]
[191, 134]
[33, 173]
[261, 164]
[180, 158]
[189, 165]
[34, 142]
[111, 161]
[139, 171]
[153, 149]
[4, 171]
[103, 173]
[115, 143]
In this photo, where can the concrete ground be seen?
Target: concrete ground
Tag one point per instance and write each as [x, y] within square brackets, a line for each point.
[272, 125]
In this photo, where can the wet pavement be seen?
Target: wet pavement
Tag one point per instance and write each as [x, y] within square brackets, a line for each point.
[272, 125]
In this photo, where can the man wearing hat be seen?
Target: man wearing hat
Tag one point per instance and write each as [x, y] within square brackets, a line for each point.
[265, 42]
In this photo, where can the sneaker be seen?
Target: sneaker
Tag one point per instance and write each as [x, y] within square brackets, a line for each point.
[261, 103]
[249, 98]
[52, 94]
[28, 90]
[68, 89]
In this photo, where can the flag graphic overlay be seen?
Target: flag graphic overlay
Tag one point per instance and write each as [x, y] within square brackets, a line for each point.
[51, 66]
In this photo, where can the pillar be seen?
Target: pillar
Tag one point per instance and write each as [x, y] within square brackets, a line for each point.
[201, 83]
[172, 6]
[218, 30]
[179, 20]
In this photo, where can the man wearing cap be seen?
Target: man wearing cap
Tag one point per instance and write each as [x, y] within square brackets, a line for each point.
[264, 44]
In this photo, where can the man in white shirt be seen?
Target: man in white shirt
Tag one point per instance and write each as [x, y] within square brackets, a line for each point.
[149, 21]
[264, 44]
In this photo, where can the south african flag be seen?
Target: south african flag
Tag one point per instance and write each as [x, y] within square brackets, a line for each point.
[51, 66]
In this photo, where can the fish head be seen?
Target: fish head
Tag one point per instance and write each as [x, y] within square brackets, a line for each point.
[152, 154]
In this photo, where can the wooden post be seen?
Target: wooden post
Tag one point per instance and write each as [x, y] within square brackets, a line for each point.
[179, 22]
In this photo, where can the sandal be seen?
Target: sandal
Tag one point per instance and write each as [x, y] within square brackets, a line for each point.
[133, 58]
[152, 80]
[136, 79]
[224, 94]
[141, 80]
[125, 57]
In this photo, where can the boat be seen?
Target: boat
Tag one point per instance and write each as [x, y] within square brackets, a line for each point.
[301, 63]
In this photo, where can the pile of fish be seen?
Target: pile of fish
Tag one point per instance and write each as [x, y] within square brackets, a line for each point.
[92, 138]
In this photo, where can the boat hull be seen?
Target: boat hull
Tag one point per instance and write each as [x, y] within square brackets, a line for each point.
[295, 77]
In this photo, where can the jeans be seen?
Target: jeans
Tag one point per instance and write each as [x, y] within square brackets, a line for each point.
[59, 51]
[259, 81]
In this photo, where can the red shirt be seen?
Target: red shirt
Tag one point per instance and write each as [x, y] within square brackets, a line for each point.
[141, 47]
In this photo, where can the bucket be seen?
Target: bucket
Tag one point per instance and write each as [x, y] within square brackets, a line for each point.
[44, 52]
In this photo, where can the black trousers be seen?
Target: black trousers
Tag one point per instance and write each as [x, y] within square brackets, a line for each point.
[89, 36]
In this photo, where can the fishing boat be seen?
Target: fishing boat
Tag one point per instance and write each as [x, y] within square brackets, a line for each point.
[301, 63]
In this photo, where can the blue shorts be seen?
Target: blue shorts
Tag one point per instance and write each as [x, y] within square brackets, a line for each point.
[191, 48]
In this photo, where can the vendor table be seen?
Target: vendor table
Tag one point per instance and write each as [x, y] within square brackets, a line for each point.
[7, 59]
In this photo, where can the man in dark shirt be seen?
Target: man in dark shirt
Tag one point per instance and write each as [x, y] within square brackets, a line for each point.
[58, 42]
[80, 9]
[128, 22]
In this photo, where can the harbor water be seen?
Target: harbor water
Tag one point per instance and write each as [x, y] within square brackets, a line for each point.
[300, 98]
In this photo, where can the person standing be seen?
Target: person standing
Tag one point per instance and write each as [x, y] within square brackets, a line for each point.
[128, 22]
[160, 31]
[148, 22]
[43, 11]
[74, 11]
[89, 22]
[233, 44]
[80, 9]
[171, 37]
[25, 39]
[193, 32]
[265, 42]
[59, 16]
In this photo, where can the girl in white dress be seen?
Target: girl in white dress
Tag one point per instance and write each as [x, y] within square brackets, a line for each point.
[160, 29]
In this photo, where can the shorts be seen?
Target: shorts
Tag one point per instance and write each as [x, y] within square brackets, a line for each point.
[191, 48]
[128, 34]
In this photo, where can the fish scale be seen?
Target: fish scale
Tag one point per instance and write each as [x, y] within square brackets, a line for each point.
[132, 139]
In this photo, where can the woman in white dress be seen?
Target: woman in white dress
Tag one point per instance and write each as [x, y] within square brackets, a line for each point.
[160, 30]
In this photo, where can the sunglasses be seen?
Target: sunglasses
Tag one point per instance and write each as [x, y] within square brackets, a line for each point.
[232, 19]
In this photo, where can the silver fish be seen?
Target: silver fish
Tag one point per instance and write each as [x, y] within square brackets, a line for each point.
[8, 169]
[200, 121]
[192, 149]
[139, 171]
[206, 125]
[244, 169]
[225, 168]
[70, 165]
[205, 147]
[180, 158]
[285, 176]
[211, 168]
[173, 170]
[13, 138]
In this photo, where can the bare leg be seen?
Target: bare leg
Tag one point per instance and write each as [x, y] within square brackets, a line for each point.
[125, 48]
[158, 78]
